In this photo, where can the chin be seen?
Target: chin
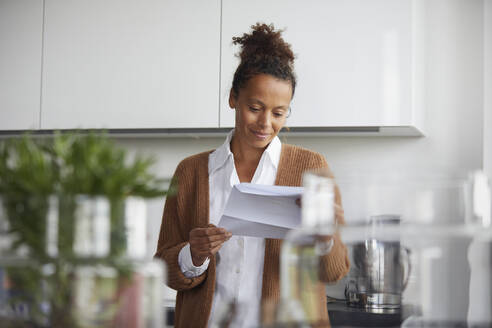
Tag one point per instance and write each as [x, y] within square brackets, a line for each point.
[261, 143]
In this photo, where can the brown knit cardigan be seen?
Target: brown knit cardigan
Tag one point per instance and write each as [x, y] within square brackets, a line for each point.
[189, 209]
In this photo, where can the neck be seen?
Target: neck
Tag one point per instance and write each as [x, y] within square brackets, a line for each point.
[244, 153]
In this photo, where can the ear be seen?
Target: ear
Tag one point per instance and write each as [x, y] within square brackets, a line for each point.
[232, 99]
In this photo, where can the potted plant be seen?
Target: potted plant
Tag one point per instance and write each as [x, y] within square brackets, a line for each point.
[53, 177]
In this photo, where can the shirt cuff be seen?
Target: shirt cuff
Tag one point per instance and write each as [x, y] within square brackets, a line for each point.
[186, 263]
[326, 247]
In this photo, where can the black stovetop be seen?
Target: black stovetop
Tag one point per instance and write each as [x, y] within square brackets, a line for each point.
[341, 315]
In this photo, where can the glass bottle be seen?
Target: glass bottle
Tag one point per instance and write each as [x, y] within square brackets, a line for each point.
[302, 271]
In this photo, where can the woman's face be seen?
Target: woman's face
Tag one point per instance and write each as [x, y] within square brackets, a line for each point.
[262, 106]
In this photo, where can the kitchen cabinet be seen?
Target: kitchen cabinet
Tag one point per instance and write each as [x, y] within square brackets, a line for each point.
[21, 23]
[358, 62]
[131, 64]
[166, 66]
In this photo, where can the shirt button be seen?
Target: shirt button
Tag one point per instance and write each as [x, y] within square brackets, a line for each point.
[238, 271]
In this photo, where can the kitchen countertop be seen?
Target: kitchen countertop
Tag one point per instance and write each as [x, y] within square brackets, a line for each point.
[342, 316]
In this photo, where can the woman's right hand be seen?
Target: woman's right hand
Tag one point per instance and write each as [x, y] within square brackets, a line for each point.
[205, 242]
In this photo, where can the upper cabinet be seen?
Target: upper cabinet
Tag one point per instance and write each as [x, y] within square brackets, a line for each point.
[21, 23]
[357, 60]
[131, 64]
[168, 64]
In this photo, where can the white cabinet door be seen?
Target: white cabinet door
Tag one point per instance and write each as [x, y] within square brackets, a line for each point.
[21, 26]
[354, 58]
[124, 64]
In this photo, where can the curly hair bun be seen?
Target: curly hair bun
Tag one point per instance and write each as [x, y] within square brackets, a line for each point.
[262, 43]
[263, 51]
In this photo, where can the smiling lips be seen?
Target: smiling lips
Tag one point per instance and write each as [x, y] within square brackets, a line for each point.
[261, 135]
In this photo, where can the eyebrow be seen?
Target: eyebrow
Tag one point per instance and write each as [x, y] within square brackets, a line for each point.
[261, 103]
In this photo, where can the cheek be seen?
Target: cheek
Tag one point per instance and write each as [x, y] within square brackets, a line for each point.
[242, 118]
[277, 126]
[247, 117]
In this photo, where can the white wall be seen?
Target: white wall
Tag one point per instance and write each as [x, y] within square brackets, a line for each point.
[454, 101]
[453, 52]
[487, 137]
[484, 252]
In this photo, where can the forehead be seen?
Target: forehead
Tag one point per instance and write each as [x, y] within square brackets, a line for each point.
[267, 88]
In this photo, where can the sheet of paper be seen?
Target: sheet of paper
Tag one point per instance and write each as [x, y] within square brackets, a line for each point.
[262, 211]
[258, 189]
[252, 229]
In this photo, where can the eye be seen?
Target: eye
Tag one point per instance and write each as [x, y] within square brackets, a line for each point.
[253, 109]
[278, 114]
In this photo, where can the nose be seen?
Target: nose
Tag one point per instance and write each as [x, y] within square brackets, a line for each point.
[264, 119]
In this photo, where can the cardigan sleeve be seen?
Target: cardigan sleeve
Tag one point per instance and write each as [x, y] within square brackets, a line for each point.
[335, 265]
[172, 237]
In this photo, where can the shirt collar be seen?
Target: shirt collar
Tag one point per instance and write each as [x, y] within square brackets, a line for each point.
[273, 151]
[219, 157]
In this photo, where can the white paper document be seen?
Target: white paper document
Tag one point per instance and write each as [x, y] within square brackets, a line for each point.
[262, 211]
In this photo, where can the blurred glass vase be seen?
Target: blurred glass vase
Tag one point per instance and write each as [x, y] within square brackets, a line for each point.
[305, 262]
[73, 280]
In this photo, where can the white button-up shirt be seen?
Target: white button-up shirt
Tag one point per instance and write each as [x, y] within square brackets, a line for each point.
[239, 269]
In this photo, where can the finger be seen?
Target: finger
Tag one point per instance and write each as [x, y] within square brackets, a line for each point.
[208, 252]
[216, 243]
[209, 239]
[199, 247]
[208, 246]
[198, 256]
[208, 231]
[214, 250]
[201, 252]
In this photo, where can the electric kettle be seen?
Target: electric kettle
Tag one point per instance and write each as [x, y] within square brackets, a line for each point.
[379, 271]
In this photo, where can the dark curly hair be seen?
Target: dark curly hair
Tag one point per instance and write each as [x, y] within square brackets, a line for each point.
[263, 51]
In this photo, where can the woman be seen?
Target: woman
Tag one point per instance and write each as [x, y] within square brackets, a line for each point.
[207, 266]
